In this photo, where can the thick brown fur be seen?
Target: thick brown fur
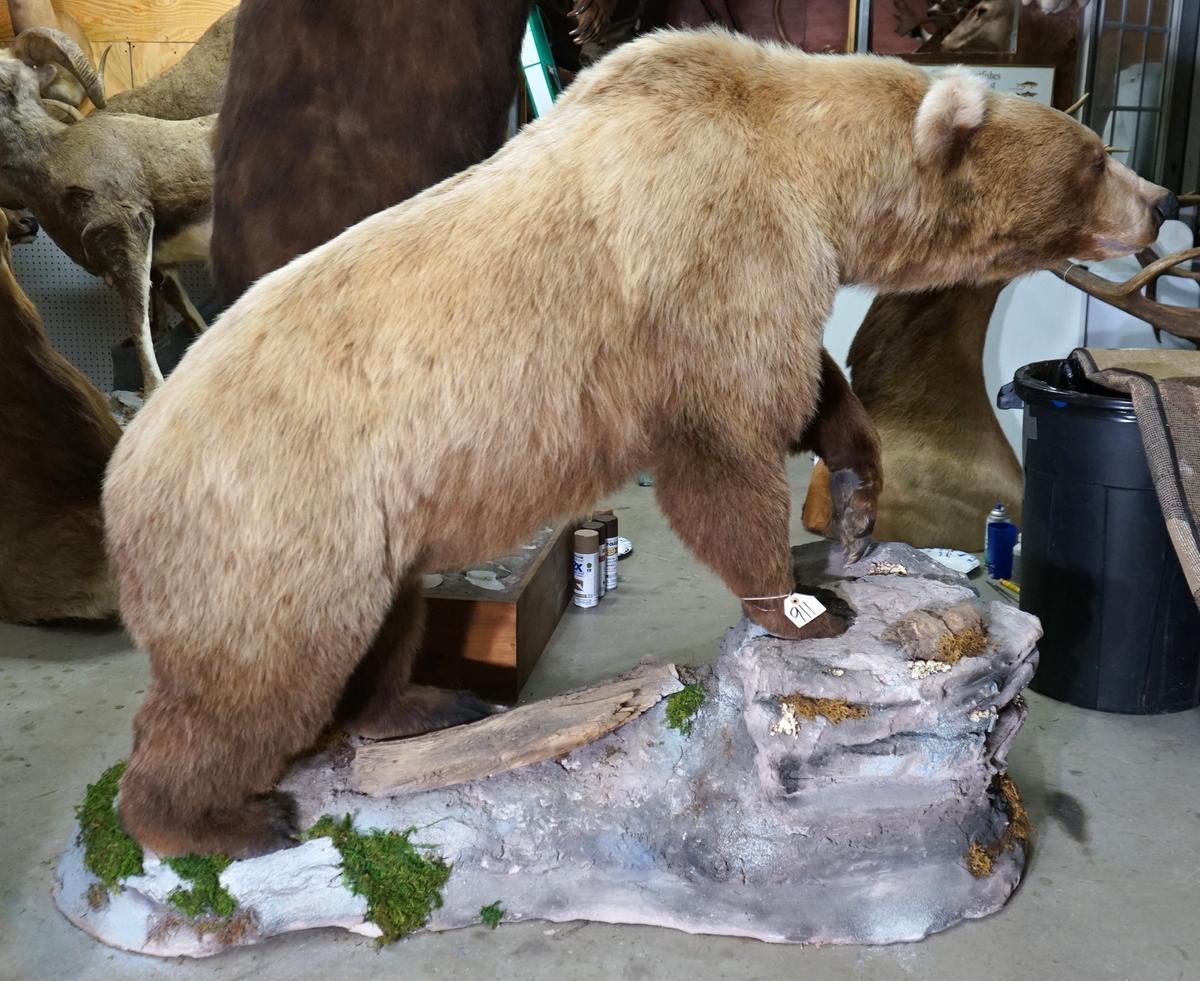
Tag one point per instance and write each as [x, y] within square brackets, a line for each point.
[430, 386]
[56, 436]
[917, 366]
[334, 111]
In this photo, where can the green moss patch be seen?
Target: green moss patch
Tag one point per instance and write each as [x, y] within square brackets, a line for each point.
[683, 705]
[108, 852]
[111, 855]
[491, 915]
[401, 885]
[207, 897]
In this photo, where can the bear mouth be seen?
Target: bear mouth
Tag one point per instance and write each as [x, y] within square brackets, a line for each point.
[1113, 247]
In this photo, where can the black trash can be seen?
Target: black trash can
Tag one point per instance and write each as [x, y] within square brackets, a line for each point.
[1122, 632]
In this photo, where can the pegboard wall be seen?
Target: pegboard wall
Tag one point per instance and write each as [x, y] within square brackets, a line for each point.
[82, 315]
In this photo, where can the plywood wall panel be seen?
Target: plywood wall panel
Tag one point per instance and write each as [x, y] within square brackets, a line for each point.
[150, 58]
[136, 20]
[118, 68]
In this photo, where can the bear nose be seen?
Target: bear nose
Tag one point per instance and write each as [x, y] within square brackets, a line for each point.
[1167, 207]
[31, 226]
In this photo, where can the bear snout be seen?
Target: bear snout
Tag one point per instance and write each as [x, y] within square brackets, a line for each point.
[1166, 207]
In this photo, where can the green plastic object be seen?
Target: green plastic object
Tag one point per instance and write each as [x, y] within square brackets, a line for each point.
[541, 74]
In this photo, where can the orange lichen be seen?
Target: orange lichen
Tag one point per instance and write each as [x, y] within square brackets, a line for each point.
[228, 931]
[954, 647]
[97, 896]
[1020, 828]
[834, 709]
[979, 862]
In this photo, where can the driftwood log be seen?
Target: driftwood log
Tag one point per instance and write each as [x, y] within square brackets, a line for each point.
[528, 734]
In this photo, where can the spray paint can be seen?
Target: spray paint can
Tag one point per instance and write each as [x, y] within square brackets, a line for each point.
[1000, 541]
[998, 513]
[601, 551]
[609, 520]
[587, 568]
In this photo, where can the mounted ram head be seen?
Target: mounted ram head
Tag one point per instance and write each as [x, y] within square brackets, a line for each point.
[189, 89]
[64, 72]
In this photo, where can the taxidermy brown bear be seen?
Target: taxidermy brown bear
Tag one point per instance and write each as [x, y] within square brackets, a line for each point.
[334, 111]
[56, 436]
[637, 281]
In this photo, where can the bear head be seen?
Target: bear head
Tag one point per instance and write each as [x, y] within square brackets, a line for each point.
[1005, 186]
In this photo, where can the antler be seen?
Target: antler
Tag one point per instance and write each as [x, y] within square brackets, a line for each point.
[1128, 295]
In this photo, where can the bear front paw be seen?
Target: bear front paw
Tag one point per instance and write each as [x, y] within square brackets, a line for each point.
[855, 504]
[776, 623]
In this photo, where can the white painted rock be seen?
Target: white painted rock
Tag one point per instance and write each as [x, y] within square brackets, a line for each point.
[755, 824]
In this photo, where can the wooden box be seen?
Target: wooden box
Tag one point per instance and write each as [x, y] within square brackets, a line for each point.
[486, 627]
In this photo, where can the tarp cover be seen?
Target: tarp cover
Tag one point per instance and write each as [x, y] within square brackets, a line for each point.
[1165, 388]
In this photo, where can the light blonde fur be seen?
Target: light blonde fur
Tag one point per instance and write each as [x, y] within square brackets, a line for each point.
[952, 110]
[638, 280]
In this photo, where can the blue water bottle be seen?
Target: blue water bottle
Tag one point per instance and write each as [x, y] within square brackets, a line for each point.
[1001, 539]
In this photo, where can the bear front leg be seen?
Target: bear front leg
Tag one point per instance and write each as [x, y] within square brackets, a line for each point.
[843, 497]
[733, 514]
[380, 702]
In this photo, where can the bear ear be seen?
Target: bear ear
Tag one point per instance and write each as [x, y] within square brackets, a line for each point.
[952, 109]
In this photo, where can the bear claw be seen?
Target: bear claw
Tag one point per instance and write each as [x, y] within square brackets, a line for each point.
[422, 709]
[269, 824]
[854, 505]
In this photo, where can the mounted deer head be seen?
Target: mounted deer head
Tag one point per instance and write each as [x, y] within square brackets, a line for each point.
[987, 26]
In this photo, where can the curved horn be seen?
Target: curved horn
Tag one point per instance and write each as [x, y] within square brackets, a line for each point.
[100, 68]
[46, 46]
[62, 110]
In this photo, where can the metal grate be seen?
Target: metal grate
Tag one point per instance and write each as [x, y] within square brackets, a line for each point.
[1133, 52]
[82, 315]
[1183, 149]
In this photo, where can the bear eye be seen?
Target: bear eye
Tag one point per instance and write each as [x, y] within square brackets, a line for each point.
[1099, 164]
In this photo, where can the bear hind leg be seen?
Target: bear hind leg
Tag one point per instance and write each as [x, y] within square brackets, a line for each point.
[201, 775]
[380, 702]
[219, 726]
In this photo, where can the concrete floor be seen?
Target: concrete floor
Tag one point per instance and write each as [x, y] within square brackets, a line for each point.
[1111, 891]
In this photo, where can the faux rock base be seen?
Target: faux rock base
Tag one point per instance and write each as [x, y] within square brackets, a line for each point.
[761, 822]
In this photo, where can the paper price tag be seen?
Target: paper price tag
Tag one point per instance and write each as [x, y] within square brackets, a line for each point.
[802, 609]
